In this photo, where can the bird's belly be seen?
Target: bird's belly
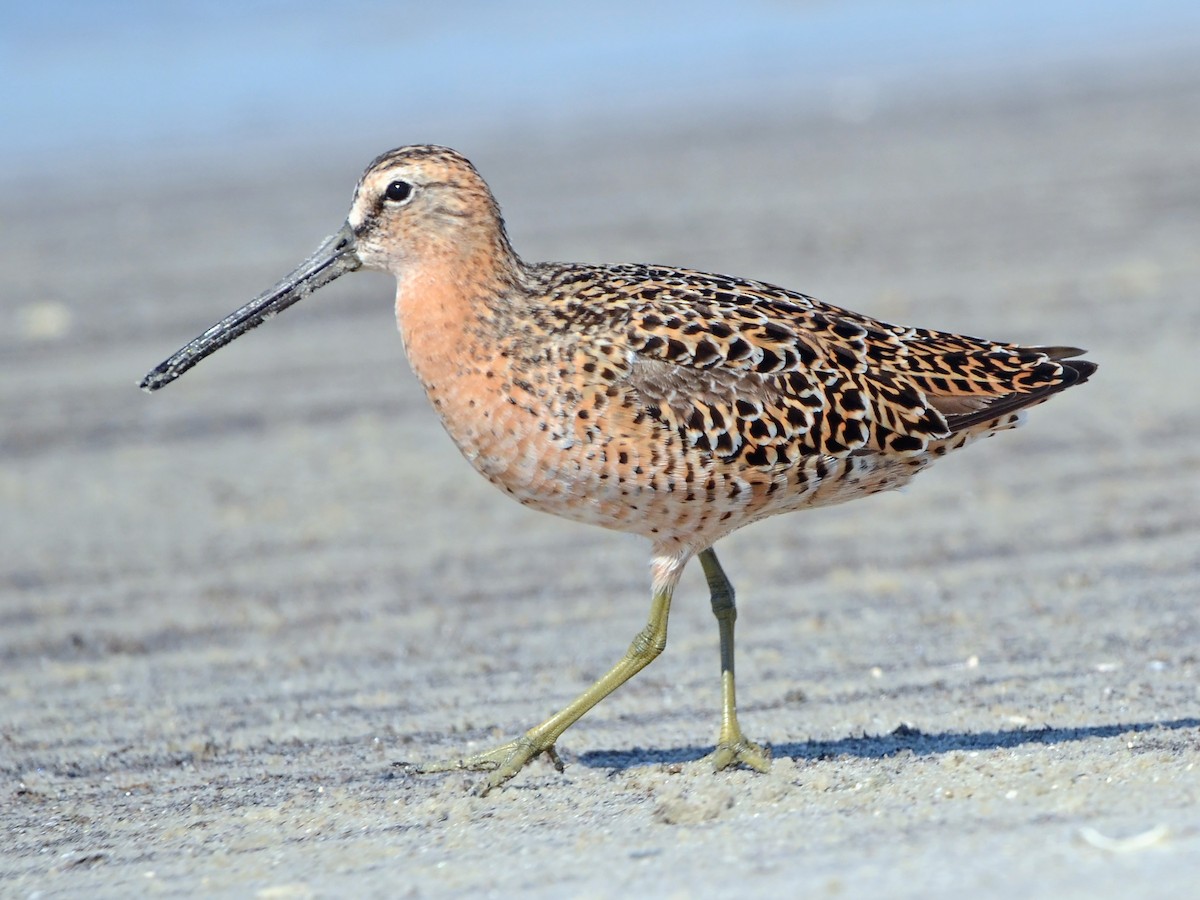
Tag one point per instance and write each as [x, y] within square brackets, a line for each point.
[558, 472]
[633, 474]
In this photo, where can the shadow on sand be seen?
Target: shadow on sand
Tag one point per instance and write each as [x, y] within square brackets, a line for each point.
[904, 738]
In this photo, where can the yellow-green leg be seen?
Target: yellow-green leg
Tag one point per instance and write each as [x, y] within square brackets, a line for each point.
[732, 747]
[507, 760]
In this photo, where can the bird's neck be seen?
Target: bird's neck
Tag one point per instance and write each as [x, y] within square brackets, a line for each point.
[459, 331]
[449, 310]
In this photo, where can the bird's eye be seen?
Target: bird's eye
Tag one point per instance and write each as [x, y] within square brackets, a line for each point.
[398, 191]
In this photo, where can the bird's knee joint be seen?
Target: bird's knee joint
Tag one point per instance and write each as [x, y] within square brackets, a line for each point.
[648, 644]
[723, 605]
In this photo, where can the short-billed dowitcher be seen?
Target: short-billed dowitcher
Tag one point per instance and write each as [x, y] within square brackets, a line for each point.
[664, 402]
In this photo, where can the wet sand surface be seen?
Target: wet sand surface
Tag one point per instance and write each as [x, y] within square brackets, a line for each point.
[226, 609]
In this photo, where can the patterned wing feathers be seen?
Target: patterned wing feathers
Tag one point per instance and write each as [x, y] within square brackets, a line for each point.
[742, 368]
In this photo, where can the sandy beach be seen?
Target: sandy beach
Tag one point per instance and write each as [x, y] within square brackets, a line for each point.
[228, 608]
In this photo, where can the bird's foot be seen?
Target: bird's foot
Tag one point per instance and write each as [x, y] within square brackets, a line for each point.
[501, 763]
[737, 751]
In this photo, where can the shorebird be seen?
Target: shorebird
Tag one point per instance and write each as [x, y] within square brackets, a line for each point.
[666, 402]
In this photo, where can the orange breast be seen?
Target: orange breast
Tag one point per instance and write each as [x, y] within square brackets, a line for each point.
[461, 361]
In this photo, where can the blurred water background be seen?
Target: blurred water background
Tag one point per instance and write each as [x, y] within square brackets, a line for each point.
[135, 80]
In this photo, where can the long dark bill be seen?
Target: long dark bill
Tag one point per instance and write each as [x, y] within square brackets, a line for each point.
[335, 257]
